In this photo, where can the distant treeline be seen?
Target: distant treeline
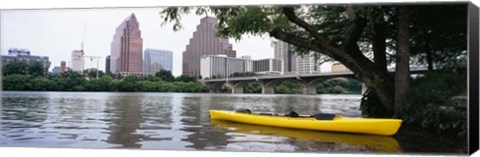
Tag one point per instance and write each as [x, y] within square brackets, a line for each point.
[22, 76]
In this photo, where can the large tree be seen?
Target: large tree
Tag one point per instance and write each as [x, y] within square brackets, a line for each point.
[360, 37]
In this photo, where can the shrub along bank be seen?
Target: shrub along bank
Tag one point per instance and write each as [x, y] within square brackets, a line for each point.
[429, 104]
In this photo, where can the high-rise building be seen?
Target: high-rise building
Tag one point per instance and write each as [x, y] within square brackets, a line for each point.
[307, 64]
[63, 66]
[220, 66]
[285, 52]
[268, 66]
[127, 46]
[155, 60]
[107, 64]
[204, 42]
[23, 55]
[78, 63]
[248, 63]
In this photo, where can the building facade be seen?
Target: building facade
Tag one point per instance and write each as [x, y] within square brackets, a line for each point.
[56, 70]
[248, 63]
[220, 66]
[78, 63]
[268, 66]
[204, 42]
[107, 64]
[284, 52]
[127, 47]
[338, 67]
[156, 60]
[307, 64]
[23, 55]
[63, 66]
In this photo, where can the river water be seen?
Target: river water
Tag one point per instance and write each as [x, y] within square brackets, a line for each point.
[176, 121]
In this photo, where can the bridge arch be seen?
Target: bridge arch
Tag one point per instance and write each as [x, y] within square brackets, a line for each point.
[215, 87]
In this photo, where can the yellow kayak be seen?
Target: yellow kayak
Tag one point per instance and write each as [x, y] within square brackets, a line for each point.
[337, 123]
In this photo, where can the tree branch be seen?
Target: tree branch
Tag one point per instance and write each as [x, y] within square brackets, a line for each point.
[353, 35]
[295, 40]
[290, 14]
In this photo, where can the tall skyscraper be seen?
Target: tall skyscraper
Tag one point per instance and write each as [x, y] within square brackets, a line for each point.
[107, 64]
[78, 63]
[127, 46]
[155, 60]
[284, 51]
[204, 42]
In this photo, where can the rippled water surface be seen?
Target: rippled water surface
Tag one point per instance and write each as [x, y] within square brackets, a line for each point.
[174, 121]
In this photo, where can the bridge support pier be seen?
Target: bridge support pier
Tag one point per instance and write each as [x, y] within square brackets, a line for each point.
[310, 89]
[268, 89]
[237, 89]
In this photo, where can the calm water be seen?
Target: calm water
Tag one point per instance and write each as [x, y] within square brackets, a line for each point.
[174, 121]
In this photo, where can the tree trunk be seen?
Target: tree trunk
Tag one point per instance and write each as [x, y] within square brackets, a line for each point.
[379, 41]
[402, 67]
[429, 60]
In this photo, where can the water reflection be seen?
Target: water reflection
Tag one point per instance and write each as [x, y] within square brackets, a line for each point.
[124, 111]
[195, 117]
[303, 140]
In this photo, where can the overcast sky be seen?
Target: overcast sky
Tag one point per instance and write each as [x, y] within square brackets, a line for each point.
[56, 33]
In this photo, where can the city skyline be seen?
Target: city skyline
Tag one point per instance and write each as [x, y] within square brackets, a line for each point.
[62, 31]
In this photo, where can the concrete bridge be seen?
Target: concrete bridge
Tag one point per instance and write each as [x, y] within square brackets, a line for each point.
[268, 82]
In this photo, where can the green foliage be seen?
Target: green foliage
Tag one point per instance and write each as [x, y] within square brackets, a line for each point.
[17, 82]
[15, 68]
[253, 87]
[289, 87]
[429, 103]
[36, 69]
[431, 96]
[428, 31]
[74, 81]
[339, 86]
[23, 68]
[92, 73]
[40, 84]
[165, 75]
[186, 78]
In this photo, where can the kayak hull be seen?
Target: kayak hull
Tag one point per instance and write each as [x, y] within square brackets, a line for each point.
[386, 127]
